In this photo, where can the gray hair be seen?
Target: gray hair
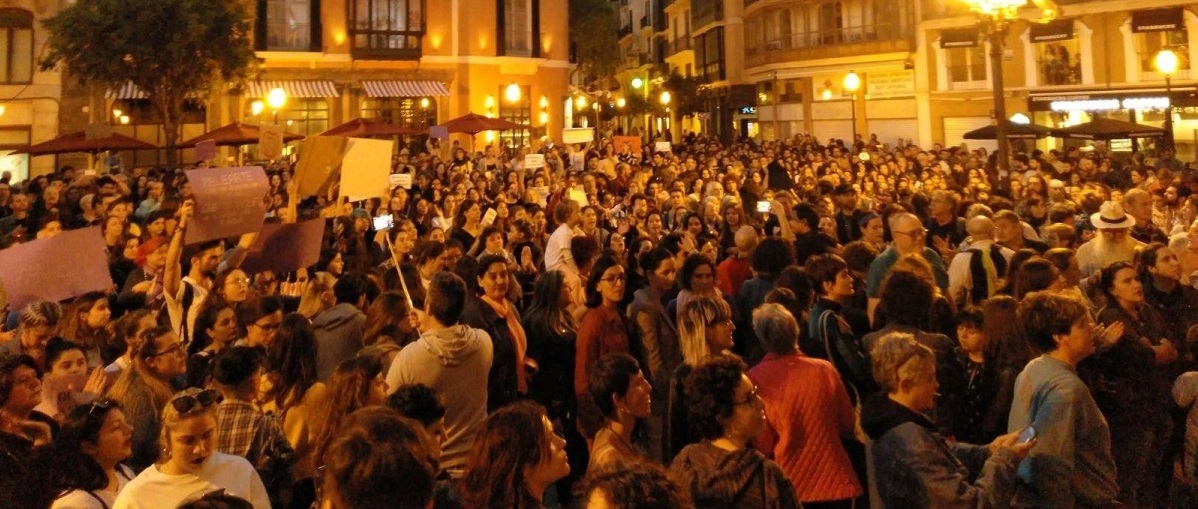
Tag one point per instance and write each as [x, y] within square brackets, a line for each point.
[898, 217]
[777, 328]
[898, 357]
[41, 313]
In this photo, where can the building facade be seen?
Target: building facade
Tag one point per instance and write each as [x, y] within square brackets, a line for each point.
[30, 99]
[410, 62]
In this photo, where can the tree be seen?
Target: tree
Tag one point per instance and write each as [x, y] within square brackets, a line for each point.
[593, 29]
[171, 49]
[684, 94]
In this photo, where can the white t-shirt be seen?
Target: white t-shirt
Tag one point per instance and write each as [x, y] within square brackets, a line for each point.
[153, 489]
[98, 499]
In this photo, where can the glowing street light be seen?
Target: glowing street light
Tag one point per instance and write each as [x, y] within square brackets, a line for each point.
[512, 93]
[256, 107]
[637, 83]
[276, 98]
[1166, 63]
[996, 16]
[665, 97]
[620, 103]
[852, 83]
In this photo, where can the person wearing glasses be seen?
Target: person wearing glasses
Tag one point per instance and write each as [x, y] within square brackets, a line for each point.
[722, 470]
[191, 466]
[21, 427]
[259, 319]
[909, 239]
[83, 469]
[159, 358]
[601, 332]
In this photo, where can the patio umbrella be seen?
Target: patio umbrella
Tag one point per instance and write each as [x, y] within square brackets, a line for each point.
[1108, 129]
[1014, 132]
[236, 135]
[367, 128]
[78, 142]
[473, 123]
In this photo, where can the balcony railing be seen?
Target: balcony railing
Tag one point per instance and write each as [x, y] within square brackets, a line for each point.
[704, 12]
[645, 21]
[520, 43]
[369, 44]
[839, 42]
[681, 44]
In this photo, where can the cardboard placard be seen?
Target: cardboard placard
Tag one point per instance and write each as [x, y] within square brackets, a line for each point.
[627, 145]
[489, 217]
[578, 135]
[270, 141]
[578, 194]
[319, 159]
[365, 168]
[285, 247]
[534, 161]
[229, 202]
[403, 180]
[663, 146]
[67, 265]
[438, 132]
[541, 193]
[206, 150]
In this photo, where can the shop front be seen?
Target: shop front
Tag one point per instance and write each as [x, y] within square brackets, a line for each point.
[1147, 106]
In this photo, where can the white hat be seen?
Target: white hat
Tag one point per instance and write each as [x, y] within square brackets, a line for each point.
[1111, 217]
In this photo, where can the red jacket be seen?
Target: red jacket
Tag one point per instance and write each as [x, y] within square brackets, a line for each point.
[807, 414]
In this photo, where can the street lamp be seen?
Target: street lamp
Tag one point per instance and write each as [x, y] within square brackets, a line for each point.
[996, 16]
[851, 83]
[276, 98]
[665, 97]
[1166, 63]
[637, 83]
[620, 103]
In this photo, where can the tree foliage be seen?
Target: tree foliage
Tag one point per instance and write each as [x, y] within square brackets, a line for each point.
[684, 94]
[593, 30]
[170, 49]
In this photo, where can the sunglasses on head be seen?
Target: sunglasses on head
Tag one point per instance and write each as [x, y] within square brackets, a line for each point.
[99, 404]
[186, 403]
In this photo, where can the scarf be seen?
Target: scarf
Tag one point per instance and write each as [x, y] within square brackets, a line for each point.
[509, 315]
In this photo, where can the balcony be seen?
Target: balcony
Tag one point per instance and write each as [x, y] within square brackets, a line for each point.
[625, 31]
[705, 12]
[681, 44]
[833, 43]
[645, 21]
[369, 44]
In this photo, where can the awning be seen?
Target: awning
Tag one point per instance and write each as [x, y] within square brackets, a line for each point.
[403, 88]
[126, 92]
[1055, 30]
[300, 89]
[959, 38]
[1158, 20]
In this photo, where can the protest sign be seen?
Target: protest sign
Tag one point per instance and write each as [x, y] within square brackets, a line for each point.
[578, 194]
[627, 145]
[403, 180]
[541, 193]
[67, 265]
[489, 217]
[578, 135]
[270, 141]
[365, 167]
[206, 150]
[229, 202]
[438, 132]
[533, 161]
[319, 159]
[663, 146]
[285, 247]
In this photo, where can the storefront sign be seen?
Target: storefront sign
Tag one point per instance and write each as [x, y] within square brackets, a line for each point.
[960, 38]
[748, 110]
[1157, 20]
[1056, 30]
[1130, 103]
[890, 84]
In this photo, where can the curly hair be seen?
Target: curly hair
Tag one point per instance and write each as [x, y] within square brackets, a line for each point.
[349, 390]
[380, 460]
[636, 485]
[511, 441]
[710, 391]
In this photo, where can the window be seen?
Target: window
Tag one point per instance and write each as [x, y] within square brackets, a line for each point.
[709, 54]
[830, 23]
[519, 112]
[966, 66]
[404, 111]
[1059, 63]
[517, 28]
[287, 25]
[13, 138]
[1148, 44]
[305, 116]
[16, 46]
[387, 28]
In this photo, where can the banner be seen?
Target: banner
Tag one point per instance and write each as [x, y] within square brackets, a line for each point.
[67, 265]
[365, 168]
[319, 158]
[534, 161]
[578, 135]
[270, 141]
[285, 247]
[229, 202]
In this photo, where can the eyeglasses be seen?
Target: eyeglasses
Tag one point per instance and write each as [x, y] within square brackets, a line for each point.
[915, 234]
[750, 399]
[188, 402]
[175, 347]
[618, 278]
[268, 327]
[240, 281]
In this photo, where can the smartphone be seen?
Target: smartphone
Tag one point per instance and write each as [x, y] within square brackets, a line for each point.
[383, 222]
[1026, 436]
[763, 206]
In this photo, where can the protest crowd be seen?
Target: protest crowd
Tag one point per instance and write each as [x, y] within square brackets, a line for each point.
[781, 324]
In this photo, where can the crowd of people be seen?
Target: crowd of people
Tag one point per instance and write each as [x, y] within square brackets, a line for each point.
[781, 324]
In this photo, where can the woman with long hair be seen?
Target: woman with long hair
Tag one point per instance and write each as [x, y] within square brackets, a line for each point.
[517, 456]
[491, 311]
[290, 390]
[83, 467]
[191, 465]
[143, 389]
[467, 223]
[602, 331]
[215, 330]
[258, 320]
[391, 320]
[356, 383]
[704, 330]
[85, 322]
[696, 278]
[552, 332]
[124, 335]
[1164, 287]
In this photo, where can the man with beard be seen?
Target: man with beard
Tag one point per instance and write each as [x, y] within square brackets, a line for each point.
[1113, 243]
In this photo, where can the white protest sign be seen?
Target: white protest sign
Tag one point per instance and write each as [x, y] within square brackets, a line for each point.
[533, 161]
[578, 135]
[662, 146]
[403, 180]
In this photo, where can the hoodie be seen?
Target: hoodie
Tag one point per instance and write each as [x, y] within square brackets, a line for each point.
[338, 337]
[741, 479]
[455, 362]
[916, 468]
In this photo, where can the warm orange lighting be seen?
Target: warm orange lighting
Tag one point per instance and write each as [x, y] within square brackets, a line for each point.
[544, 117]
[434, 40]
[124, 119]
[490, 102]
[482, 41]
[546, 44]
[339, 38]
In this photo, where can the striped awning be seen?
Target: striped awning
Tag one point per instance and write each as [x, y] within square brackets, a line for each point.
[404, 88]
[302, 89]
[126, 92]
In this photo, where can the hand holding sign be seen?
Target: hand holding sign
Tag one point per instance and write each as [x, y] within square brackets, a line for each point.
[228, 202]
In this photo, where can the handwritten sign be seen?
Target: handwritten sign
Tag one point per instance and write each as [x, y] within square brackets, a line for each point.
[541, 194]
[403, 180]
[662, 146]
[270, 141]
[285, 247]
[228, 202]
[365, 168]
[533, 161]
[578, 135]
[67, 265]
[627, 145]
[319, 159]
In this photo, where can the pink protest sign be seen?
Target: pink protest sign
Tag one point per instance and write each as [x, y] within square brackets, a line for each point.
[34, 271]
[285, 247]
[229, 202]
